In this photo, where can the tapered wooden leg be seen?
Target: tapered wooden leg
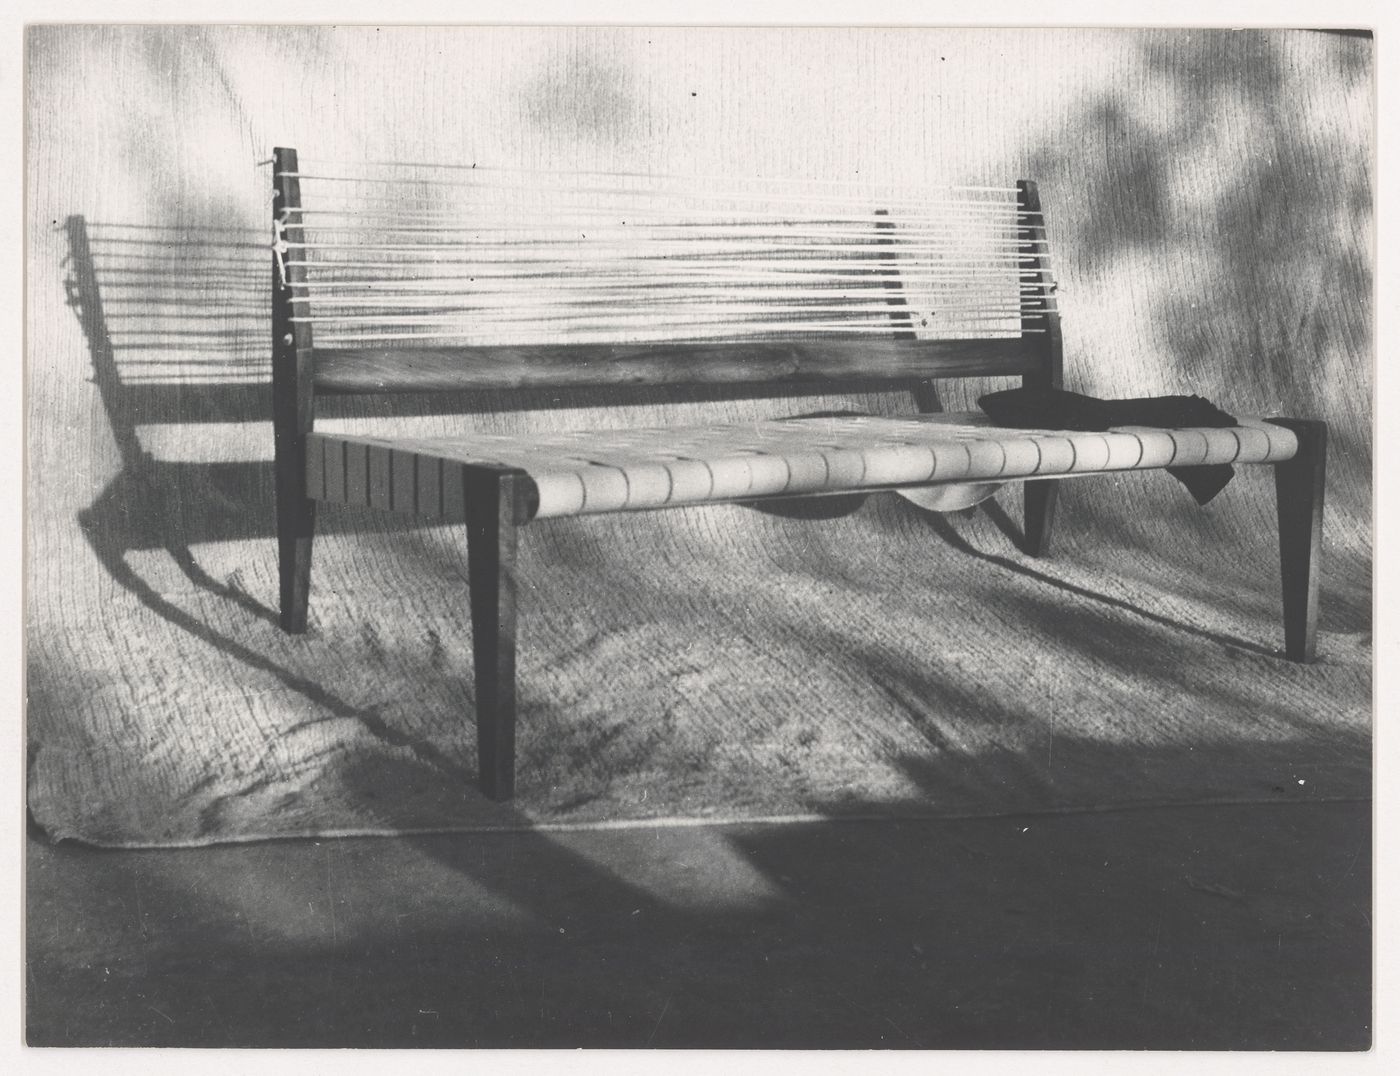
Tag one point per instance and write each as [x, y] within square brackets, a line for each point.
[1300, 484]
[296, 525]
[493, 499]
[1040, 515]
[293, 406]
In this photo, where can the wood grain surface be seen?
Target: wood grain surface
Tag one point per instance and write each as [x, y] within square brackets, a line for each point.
[775, 365]
[1209, 195]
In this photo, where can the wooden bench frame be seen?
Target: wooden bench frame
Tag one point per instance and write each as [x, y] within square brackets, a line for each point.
[499, 500]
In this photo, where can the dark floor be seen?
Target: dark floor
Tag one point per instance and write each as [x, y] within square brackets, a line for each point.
[1185, 928]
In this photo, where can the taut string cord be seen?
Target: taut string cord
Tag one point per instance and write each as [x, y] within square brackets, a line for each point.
[673, 192]
[406, 259]
[572, 175]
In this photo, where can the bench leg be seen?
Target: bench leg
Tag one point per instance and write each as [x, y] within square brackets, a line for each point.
[296, 525]
[1040, 515]
[491, 499]
[1299, 484]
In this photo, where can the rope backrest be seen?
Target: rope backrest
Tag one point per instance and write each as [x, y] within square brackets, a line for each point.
[398, 258]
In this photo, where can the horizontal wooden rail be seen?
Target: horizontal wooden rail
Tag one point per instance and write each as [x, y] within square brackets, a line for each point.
[454, 369]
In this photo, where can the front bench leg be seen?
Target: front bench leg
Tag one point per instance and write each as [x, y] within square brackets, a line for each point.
[1040, 498]
[1299, 483]
[497, 501]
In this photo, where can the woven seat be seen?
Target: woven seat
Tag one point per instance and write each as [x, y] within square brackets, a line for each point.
[593, 471]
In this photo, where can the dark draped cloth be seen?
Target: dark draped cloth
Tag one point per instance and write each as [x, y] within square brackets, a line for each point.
[1057, 409]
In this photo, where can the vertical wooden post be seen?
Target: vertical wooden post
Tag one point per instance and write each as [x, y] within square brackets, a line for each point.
[497, 500]
[1300, 485]
[926, 391]
[1040, 329]
[293, 407]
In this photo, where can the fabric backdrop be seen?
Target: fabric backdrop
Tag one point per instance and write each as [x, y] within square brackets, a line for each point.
[1209, 198]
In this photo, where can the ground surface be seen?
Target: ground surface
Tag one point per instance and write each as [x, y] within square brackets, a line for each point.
[1184, 928]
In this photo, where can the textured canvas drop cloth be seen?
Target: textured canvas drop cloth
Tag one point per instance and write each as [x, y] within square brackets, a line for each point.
[704, 664]
[1208, 198]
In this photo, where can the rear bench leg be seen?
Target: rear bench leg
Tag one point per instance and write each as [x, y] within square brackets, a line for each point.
[496, 500]
[1040, 515]
[296, 521]
[296, 526]
[1299, 484]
